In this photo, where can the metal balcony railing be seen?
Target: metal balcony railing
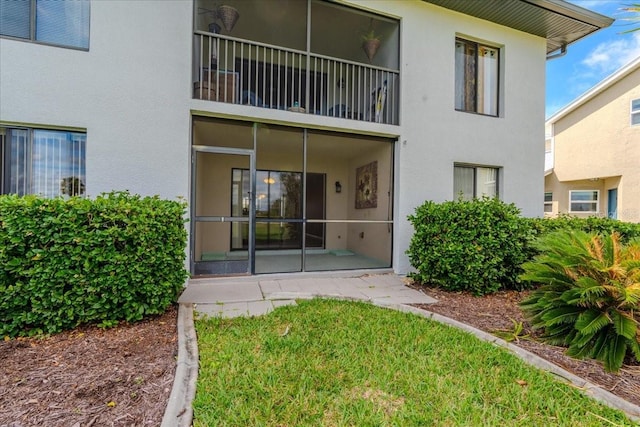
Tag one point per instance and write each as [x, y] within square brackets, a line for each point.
[238, 71]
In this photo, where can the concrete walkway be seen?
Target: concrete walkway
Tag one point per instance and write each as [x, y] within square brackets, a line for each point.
[258, 295]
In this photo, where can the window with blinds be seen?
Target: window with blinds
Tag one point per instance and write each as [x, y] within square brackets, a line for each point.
[470, 182]
[61, 22]
[635, 112]
[49, 163]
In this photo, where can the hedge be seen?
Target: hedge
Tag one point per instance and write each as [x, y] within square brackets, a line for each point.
[66, 262]
[600, 225]
[477, 246]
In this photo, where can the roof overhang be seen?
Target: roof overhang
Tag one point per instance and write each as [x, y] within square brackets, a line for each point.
[558, 21]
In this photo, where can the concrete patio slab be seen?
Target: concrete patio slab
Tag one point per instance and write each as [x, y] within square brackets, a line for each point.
[219, 292]
[256, 296]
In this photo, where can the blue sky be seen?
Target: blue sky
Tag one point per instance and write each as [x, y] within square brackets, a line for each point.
[593, 58]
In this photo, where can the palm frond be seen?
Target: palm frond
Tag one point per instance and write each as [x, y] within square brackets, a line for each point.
[591, 321]
[635, 348]
[634, 9]
[599, 347]
[624, 325]
[616, 351]
[566, 314]
[581, 340]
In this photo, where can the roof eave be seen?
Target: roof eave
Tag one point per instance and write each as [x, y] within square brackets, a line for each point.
[560, 23]
[575, 12]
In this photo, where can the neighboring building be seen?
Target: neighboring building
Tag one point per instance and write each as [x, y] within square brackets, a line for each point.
[593, 162]
[295, 150]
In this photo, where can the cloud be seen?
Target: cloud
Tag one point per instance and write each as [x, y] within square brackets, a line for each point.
[611, 55]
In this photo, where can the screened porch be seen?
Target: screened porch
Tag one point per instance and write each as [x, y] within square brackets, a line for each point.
[310, 57]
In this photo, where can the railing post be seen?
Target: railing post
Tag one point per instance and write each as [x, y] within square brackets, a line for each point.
[308, 65]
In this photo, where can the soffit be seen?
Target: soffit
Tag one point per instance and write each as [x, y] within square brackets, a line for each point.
[561, 23]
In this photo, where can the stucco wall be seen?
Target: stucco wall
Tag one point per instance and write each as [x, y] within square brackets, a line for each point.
[597, 141]
[128, 91]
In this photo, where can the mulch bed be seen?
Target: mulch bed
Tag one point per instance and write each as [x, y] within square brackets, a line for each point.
[497, 312]
[90, 376]
[123, 376]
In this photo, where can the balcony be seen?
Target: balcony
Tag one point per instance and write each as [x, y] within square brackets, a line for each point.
[310, 71]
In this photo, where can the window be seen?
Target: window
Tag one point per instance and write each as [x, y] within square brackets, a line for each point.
[476, 78]
[63, 23]
[471, 182]
[635, 112]
[46, 162]
[584, 201]
[548, 202]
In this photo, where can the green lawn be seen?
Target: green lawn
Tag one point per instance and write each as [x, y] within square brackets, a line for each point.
[337, 363]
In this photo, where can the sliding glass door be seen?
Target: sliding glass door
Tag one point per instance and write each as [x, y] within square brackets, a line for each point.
[279, 197]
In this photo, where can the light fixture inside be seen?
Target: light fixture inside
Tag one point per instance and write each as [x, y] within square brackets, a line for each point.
[269, 181]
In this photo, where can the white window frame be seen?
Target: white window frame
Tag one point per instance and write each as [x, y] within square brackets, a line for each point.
[635, 112]
[596, 201]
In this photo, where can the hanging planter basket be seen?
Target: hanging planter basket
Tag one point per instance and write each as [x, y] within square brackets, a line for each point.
[228, 16]
[371, 47]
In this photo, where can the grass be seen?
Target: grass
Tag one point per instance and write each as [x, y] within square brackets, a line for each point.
[338, 363]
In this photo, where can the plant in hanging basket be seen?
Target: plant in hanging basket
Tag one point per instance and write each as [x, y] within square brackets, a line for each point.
[228, 15]
[371, 43]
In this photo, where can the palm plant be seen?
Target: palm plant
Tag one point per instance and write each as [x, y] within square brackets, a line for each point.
[633, 8]
[589, 300]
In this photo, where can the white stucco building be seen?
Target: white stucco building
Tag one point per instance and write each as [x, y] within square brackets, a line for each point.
[295, 150]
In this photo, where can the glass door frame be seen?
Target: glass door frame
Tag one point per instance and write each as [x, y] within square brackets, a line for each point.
[195, 149]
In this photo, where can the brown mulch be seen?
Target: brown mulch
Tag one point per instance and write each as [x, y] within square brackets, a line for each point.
[497, 312]
[90, 376]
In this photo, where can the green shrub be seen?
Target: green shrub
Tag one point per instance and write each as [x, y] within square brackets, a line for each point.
[69, 262]
[475, 246]
[590, 295]
[601, 225]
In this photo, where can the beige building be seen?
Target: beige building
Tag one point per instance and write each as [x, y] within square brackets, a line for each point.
[593, 151]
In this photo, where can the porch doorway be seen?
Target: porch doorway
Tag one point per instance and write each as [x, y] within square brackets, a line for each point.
[278, 199]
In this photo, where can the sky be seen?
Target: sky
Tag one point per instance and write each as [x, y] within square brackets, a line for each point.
[594, 57]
